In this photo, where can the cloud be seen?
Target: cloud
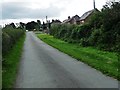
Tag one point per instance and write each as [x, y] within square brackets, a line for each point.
[26, 10]
[19, 10]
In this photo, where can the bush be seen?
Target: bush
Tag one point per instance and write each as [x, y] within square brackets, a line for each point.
[9, 38]
[84, 31]
[84, 42]
[96, 20]
[95, 37]
[70, 33]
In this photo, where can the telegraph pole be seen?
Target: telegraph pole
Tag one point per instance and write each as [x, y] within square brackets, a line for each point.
[47, 24]
[94, 4]
[46, 19]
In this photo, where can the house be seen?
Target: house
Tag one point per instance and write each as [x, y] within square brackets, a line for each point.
[86, 16]
[73, 20]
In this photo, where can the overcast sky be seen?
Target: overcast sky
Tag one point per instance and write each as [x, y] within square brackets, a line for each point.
[27, 10]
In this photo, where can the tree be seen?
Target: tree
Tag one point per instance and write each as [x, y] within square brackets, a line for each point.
[44, 26]
[106, 33]
[12, 25]
[31, 25]
[39, 24]
[22, 25]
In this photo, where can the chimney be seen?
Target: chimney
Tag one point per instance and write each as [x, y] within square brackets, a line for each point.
[68, 17]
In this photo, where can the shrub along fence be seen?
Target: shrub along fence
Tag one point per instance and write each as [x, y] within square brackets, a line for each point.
[10, 36]
[70, 33]
[86, 35]
[102, 30]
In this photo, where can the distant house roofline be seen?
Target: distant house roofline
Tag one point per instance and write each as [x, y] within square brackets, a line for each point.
[76, 18]
[86, 14]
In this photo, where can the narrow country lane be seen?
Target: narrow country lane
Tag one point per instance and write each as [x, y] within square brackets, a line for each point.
[42, 66]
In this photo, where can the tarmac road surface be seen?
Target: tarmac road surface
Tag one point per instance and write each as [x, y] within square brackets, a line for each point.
[43, 66]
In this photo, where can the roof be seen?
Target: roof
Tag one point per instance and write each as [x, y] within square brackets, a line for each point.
[66, 20]
[56, 21]
[86, 14]
[76, 18]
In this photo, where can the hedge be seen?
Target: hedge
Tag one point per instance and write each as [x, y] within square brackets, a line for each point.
[9, 37]
[101, 31]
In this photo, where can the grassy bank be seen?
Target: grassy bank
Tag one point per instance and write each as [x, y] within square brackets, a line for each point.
[106, 62]
[10, 64]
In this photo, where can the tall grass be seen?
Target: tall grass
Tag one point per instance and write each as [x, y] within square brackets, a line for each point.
[10, 64]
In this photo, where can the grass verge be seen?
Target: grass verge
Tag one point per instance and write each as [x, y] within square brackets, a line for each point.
[106, 62]
[10, 64]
